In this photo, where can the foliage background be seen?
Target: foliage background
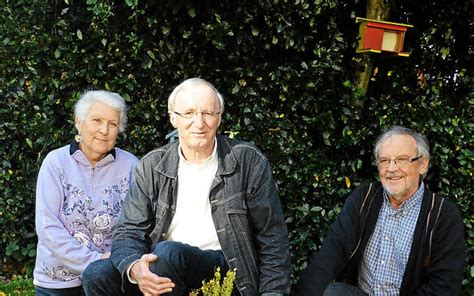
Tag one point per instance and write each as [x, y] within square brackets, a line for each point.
[286, 69]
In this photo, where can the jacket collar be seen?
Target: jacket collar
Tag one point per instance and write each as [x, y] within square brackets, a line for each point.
[227, 162]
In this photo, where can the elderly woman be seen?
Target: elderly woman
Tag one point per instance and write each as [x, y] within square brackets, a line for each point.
[79, 195]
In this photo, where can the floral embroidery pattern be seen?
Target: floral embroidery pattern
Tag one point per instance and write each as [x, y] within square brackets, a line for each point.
[89, 219]
[101, 220]
[98, 239]
[61, 273]
[92, 223]
[82, 238]
[110, 192]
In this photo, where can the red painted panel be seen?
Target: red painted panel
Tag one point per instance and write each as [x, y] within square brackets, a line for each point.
[372, 38]
[387, 26]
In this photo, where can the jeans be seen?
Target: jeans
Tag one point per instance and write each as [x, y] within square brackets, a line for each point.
[185, 265]
[76, 291]
[341, 289]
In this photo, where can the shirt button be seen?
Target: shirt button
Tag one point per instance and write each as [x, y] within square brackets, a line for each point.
[383, 262]
[163, 234]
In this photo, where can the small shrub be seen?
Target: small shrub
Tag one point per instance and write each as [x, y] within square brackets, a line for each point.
[216, 287]
[17, 286]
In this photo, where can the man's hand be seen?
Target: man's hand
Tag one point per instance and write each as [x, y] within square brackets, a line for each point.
[149, 283]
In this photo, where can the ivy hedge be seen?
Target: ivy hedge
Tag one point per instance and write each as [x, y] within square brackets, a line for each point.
[287, 70]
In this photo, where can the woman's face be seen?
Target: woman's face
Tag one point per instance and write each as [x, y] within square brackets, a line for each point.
[99, 131]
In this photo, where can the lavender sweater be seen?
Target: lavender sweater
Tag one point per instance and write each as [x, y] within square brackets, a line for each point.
[77, 207]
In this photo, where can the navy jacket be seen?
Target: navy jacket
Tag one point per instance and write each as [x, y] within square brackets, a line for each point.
[436, 262]
[245, 208]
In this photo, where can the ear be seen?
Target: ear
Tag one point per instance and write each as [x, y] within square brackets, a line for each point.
[424, 164]
[172, 119]
[77, 121]
[220, 120]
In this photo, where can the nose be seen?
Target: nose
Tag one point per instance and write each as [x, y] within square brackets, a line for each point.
[104, 128]
[392, 165]
[199, 119]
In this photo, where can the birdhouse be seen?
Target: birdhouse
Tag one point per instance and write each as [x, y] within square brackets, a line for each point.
[381, 37]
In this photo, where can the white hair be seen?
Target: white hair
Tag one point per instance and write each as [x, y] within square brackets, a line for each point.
[187, 85]
[421, 141]
[112, 99]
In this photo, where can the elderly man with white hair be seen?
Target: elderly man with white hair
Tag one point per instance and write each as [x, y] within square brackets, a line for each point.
[395, 237]
[203, 202]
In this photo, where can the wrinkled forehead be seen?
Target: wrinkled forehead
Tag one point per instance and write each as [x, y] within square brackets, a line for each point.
[198, 97]
[398, 145]
[103, 110]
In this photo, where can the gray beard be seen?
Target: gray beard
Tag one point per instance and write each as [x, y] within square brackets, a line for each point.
[397, 196]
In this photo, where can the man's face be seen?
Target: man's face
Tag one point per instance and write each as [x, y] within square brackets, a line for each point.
[400, 181]
[196, 134]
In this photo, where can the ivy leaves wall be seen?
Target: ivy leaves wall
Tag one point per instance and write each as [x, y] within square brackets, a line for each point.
[286, 70]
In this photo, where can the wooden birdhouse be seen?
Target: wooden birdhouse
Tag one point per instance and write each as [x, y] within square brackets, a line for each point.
[381, 37]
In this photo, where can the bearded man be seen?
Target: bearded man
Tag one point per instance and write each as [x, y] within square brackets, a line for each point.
[395, 237]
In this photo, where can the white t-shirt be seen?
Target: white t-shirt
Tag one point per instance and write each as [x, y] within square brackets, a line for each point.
[192, 223]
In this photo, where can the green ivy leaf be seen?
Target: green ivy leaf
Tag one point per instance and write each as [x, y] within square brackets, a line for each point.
[192, 12]
[79, 34]
[151, 54]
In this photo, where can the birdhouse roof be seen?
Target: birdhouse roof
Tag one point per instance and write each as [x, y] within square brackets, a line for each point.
[361, 19]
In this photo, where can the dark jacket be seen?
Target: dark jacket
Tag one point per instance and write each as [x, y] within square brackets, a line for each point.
[245, 208]
[436, 261]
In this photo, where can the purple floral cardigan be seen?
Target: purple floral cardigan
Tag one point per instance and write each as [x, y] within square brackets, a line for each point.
[77, 207]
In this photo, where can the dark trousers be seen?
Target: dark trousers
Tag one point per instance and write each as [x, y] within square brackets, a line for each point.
[341, 289]
[76, 291]
[185, 265]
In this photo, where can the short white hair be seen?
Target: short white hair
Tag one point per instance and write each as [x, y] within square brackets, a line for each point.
[421, 141]
[111, 99]
[187, 85]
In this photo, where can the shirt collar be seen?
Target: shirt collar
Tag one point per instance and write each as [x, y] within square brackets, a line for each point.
[412, 201]
[75, 146]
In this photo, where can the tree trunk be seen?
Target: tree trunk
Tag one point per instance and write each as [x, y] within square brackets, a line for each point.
[378, 10]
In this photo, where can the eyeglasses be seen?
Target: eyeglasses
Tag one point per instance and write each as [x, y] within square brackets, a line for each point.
[399, 161]
[206, 115]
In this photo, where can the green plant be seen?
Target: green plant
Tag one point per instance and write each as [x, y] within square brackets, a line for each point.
[216, 286]
[18, 286]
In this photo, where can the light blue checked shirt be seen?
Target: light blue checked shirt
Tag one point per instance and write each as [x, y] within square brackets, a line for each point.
[383, 262]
